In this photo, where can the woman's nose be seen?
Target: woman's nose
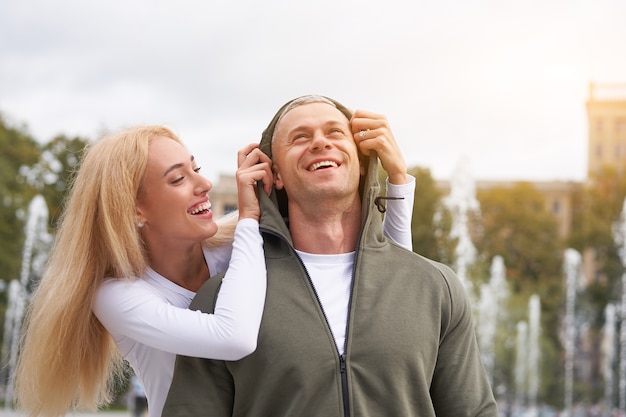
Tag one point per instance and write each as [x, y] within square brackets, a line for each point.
[203, 184]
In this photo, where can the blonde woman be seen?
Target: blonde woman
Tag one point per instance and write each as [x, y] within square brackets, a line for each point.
[136, 240]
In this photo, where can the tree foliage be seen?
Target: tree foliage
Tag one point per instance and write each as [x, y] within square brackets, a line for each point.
[597, 211]
[17, 152]
[432, 221]
[515, 224]
[28, 168]
[60, 160]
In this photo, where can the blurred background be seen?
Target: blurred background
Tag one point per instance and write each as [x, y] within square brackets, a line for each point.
[512, 116]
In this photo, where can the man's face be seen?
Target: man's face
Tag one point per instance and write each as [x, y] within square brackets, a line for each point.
[314, 154]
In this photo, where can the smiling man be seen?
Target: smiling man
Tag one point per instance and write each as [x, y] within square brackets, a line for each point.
[354, 324]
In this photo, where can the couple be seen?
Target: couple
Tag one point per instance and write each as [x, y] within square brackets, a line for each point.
[353, 324]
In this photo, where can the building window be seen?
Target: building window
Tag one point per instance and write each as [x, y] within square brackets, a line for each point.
[599, 150]
[620, 125]
[229, 208]
[555, 207]
[599, 125]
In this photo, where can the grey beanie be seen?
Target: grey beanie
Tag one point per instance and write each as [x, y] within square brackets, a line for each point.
[268, 133]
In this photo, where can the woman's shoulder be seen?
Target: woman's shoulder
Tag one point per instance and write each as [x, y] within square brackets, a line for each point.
[113, 289]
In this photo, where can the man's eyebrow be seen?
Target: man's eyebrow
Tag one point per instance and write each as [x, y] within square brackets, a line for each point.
[326, 124]
[176, 166]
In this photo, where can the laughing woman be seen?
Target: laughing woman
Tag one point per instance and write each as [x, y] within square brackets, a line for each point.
[136, 240]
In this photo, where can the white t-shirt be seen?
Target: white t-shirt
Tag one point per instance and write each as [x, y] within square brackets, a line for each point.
[332, 274]
[150, 321]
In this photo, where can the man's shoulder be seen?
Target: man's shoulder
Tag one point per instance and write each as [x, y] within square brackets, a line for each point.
[206, 296]
[433, 272]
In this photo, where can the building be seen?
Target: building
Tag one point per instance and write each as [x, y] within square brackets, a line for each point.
[559, 199]
[223, 195]
[606, 115]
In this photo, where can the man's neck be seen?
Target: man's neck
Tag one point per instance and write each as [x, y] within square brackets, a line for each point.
[325, 229]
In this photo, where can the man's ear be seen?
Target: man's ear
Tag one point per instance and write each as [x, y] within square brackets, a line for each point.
[363, 162]
[278, 181]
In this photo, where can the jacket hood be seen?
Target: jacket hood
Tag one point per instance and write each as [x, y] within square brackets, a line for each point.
[279, 197]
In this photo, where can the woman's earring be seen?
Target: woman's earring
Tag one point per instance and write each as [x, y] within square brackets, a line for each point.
[140, 224]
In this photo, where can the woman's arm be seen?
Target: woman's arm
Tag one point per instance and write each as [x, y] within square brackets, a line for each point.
[399, 212]
[137, 310]
[372, 133]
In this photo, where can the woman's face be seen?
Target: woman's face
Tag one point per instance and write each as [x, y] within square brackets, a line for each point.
[173, 202]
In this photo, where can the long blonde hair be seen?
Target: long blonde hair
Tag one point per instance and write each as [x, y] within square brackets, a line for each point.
[68, 360]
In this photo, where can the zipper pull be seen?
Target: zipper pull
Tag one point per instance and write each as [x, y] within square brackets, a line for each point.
[344, 385]
[342, 364]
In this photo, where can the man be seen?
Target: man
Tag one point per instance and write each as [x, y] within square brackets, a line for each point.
[354, 325]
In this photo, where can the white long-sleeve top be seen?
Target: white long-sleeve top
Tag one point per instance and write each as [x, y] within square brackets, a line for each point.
[150, 323]
[397, 220]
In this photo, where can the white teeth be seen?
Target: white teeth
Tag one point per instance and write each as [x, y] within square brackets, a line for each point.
[199, 208]
[322, 164]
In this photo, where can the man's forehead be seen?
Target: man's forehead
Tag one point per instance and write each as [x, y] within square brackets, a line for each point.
[312, 113]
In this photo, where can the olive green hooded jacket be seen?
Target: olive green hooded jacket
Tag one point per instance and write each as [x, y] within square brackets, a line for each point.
[410, 343]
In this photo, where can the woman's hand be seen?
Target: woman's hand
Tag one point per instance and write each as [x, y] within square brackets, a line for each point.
[253, 165]
[371, 132]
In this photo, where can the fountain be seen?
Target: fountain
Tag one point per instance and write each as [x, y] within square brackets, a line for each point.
[619, 233]
[492, 296]
[487, 324]
[520, 364]
[13, 293]
[462, 203]
[572, 271]
[534, 352]
[34, 255]
[608, 356]
[527, 361]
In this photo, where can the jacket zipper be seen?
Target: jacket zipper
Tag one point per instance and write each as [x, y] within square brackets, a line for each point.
[343, 368]
[344, 384]
[342, 358]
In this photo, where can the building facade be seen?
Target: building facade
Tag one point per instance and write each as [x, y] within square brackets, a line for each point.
[606, 116]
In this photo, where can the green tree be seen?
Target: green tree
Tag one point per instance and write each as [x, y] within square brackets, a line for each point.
[597, 210]
[59, 162]
[432, 221]
[18, 151]
[515, 224]
[28, 169]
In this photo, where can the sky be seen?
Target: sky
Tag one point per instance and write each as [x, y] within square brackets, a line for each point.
[496, 85]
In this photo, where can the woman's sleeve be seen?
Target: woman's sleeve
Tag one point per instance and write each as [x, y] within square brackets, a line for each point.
[230, 333]
[397, 221]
